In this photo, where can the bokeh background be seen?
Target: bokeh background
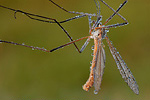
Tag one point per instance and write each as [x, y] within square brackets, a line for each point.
[27, 74]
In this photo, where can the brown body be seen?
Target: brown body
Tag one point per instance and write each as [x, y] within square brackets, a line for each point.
[98, 62]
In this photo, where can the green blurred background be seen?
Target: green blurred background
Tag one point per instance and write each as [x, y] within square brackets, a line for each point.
[35, 75]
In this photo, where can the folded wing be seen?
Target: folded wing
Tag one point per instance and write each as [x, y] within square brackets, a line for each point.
[124, 70]
[99, 66]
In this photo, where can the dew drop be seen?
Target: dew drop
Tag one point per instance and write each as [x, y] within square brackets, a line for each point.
[124, 63]
[92, 47]
[90, 67]
[23, 44]
[95, 92]
[77, 16]
[107, 31]
[90, 62]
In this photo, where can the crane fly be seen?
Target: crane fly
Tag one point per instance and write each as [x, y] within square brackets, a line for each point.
[98, 32]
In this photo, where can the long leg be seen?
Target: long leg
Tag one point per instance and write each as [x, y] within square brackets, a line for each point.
[68, 36]
[67, 20]
[76, 17]
[115, 12]
[45, 50]
[97, 7]
[32, 47]
[90, 23]
[85, 44]
[73, 12]
[55, 21]
[124, 70]
[115, 25]
[83, 47]
[46, 18]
